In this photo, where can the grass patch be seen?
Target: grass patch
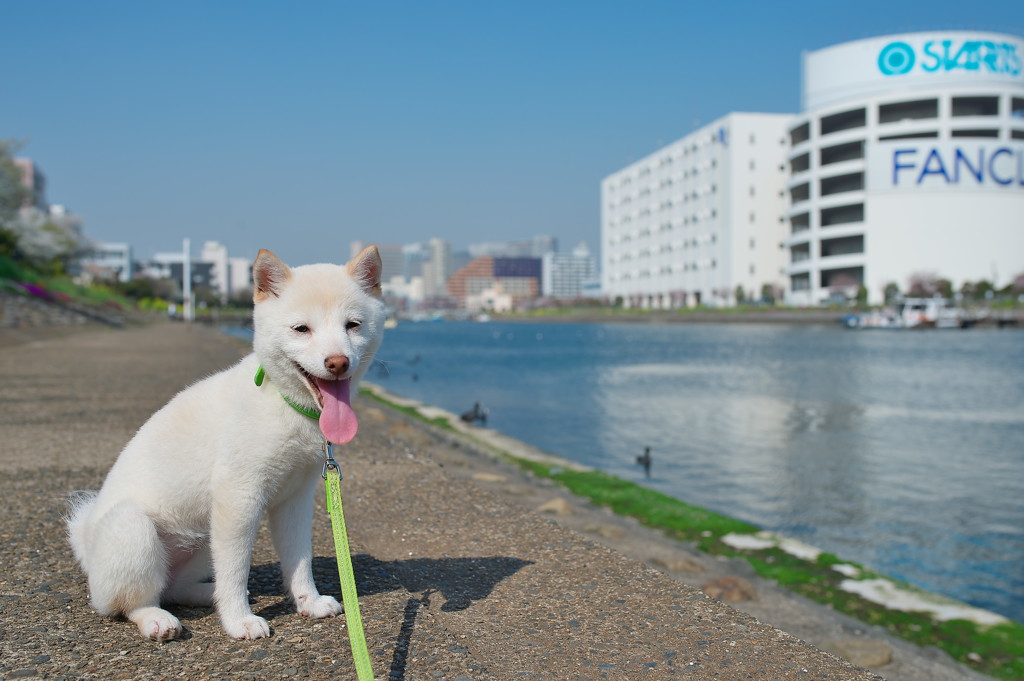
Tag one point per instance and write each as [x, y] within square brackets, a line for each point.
[412, 412]
[995, 650]
[61, 287]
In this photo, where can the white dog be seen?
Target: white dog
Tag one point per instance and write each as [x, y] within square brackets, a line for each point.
[184, 500]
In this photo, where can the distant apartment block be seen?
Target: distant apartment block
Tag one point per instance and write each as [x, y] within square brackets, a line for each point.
[172, 266]
[518, 278]
[700, 220]
[35, 182]
[564, 276]
[108, 261]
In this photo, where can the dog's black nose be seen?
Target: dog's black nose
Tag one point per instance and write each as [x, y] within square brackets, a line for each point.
[336, 364]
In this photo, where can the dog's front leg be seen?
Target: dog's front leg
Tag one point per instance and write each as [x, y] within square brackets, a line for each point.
[291, 524]
[233, 527]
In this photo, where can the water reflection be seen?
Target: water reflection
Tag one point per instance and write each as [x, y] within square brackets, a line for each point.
[902, 451]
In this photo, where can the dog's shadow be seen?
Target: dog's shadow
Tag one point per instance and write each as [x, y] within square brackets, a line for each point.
[460, 581]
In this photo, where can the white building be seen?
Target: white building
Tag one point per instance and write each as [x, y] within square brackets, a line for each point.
[115, 258]
[437, 270]
[239, 276]
[908, 157]
[216, 254]
[699, 219]
[564, 275]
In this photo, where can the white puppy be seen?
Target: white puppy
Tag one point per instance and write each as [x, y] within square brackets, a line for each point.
[184, 500]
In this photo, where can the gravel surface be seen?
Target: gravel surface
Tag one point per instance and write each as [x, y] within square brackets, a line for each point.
[459, 577]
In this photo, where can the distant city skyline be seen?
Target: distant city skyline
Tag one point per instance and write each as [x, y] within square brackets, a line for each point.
[304, 129]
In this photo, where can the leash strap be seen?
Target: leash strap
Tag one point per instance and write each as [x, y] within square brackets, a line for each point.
[356, 635]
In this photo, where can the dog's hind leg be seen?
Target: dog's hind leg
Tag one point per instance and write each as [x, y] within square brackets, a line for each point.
[127, 567]
[191, 572]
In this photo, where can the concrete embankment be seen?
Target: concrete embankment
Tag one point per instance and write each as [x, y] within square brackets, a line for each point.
[459, 578]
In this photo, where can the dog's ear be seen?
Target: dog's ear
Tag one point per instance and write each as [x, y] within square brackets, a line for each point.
[269, 275]
[365, 269]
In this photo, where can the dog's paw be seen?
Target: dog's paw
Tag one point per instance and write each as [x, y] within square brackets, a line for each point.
[318, 606]
[249, 627]
[156, 623]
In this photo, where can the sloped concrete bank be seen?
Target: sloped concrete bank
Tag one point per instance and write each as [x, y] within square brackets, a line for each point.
[481, 455]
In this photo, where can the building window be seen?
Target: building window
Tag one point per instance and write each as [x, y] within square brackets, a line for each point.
[908, 136]
[908, 111]
[751, 190]
[841, 215]
[753, 218]
[1017, 134]
[843, 277]
[800, 164]
[800, 282]
[850, 182]
[975, 106]
[800, 253]
[847, 245]
[846, 120]
[800, 222]
[1017, 107]
[842, 152]
[752, 164]
[800, 193]
[975, 133]
[800, 134]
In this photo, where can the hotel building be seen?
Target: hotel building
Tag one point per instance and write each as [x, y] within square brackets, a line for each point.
[699, 221]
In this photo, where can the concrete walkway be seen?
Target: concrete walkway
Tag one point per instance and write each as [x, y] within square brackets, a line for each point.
[456, 582]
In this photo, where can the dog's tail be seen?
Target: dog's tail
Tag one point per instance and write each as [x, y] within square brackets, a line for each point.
[121, 552]
[80, 503]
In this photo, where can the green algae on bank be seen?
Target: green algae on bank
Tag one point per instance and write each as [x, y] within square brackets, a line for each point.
[984, 641]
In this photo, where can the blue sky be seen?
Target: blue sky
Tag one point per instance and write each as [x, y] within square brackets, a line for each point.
[302, 126]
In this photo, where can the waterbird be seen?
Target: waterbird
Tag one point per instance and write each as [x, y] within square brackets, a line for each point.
[645, 461]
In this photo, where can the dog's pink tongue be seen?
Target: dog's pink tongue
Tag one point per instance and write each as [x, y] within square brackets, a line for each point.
[337, 420]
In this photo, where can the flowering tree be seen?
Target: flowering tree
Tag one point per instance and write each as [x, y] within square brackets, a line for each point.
[43, 240]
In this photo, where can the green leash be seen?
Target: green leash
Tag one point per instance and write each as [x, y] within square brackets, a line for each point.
[332, 480]
[356, 635]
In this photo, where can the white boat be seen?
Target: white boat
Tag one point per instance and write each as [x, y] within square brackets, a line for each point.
[912, 313]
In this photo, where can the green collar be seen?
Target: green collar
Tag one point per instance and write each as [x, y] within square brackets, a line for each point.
[305, 411]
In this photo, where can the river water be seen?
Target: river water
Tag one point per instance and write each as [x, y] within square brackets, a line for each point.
[903, 451]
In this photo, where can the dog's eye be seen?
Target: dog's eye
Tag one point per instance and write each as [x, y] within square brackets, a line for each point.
[300, 328]
[352, 326]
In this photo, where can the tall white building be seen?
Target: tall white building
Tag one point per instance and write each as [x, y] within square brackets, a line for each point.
[563, 275]
[699, 219]
[908, 157]
[437, 270]
[239, 277]
[216, 254]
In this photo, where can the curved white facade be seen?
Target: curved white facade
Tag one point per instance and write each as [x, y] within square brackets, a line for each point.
[908, 158]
